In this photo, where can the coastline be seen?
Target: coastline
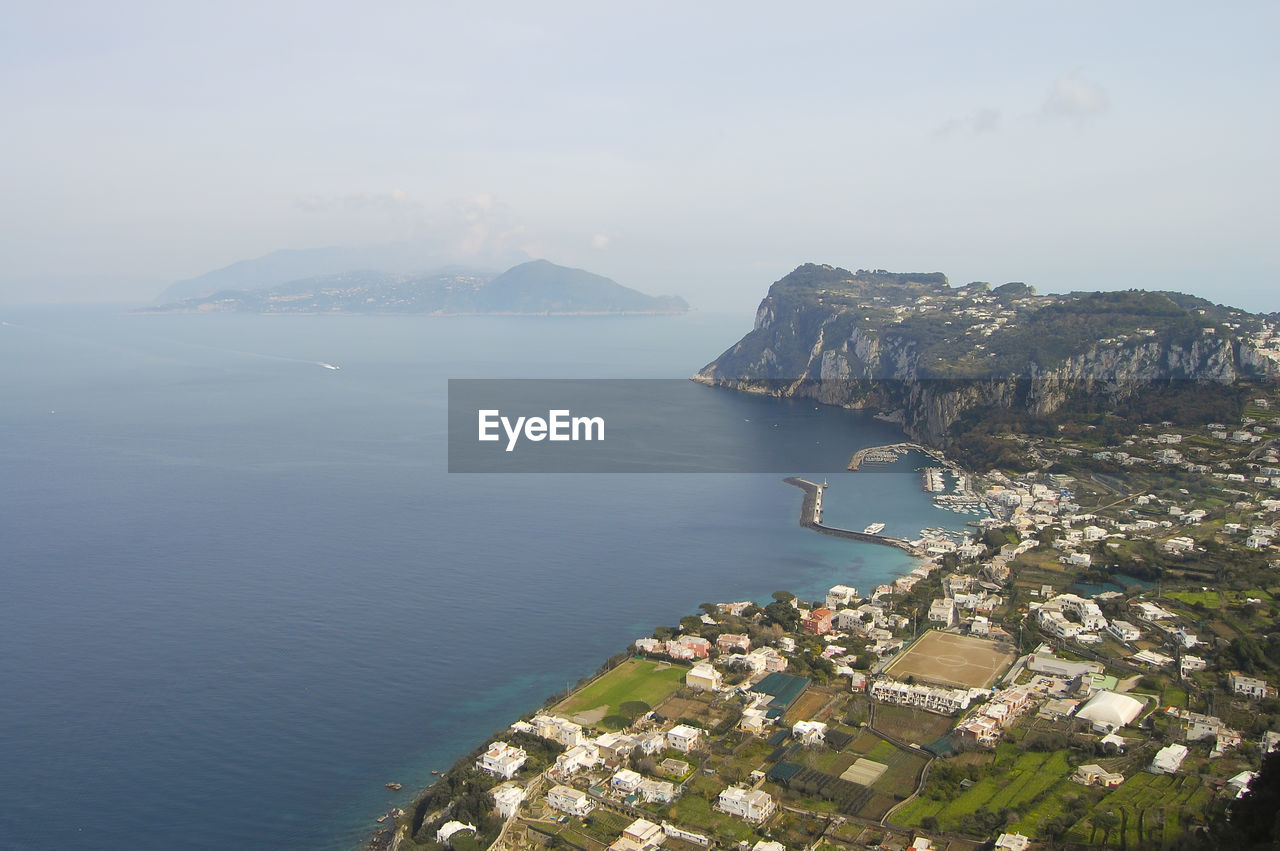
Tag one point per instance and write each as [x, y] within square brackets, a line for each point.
[400, 821]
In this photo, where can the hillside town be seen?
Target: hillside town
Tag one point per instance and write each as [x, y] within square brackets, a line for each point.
[1094, 665]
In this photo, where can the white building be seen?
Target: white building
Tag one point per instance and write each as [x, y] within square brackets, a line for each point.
[450, 829]
[566, 799]
[943, 611]
[1168, 759]
[577, 758]
[1095, 775]
[1190, 663]
[559, 730]
[507, 798]
[640, 835]
[687, 835]
[1243, 686]
[657, 791]
[703, 677]
[753, 805]
[841, 596]
[1124, 631]
[626, 780]
[502, 759]
[1086, 612]
[683, 737]
[1047, 663]
[809, 732]
[1109, 711]
[941, 700]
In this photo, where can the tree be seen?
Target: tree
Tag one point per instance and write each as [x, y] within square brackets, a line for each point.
[633, 709]
[1106, 821]
[1253, 820]
[783, 614]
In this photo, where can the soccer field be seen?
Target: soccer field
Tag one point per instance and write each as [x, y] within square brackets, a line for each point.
[947, 659]
[635, 679]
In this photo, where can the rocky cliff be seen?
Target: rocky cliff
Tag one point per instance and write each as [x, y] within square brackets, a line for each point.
[929, 354]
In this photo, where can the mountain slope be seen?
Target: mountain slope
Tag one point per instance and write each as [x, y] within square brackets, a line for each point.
[536, 287]
[540, 286]
[934, 355]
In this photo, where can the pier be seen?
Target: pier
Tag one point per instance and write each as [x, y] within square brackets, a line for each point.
[811, 518]
[889, 453]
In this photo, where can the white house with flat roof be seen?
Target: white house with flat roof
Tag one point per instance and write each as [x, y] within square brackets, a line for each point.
[753, 805]
[1168, 759]
[1250, 687]
[502, 759]
[1124, 631]
[507, 798]
[703, 677]
[566, 799]
[684, 738]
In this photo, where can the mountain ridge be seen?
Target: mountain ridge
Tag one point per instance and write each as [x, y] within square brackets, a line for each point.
[533, 287]
[935, 356]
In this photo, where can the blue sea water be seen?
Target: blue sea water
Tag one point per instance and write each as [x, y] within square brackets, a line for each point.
[239, 592]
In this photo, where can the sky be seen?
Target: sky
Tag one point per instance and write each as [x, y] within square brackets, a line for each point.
[704, 149]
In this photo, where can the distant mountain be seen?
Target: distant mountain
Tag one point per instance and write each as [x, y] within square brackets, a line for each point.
[536, 287]
[289, 265]
[540, 286]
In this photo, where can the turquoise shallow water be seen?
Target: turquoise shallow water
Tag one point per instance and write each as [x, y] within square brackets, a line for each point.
[241, 591]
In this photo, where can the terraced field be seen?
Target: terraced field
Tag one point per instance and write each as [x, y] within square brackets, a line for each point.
[1024, 783]
[1153, 809]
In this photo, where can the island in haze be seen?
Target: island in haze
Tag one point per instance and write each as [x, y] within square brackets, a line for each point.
[1094, 665]
[537, 287]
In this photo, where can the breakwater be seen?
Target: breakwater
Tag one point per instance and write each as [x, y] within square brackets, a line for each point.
[811, 518]
[889, 453]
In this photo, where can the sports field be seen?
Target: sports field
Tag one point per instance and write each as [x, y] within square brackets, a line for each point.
[635, 679]
[960, 661]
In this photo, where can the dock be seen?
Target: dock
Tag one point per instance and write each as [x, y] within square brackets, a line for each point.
[811, 518]
[889, 453]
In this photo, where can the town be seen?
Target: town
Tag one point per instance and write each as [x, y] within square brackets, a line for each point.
[1094, 665]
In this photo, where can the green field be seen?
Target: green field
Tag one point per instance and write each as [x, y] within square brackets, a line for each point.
[1023, 784]
[635, 679]
[698, 814]
[1153, 810]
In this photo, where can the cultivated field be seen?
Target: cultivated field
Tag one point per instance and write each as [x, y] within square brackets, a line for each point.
[1020, 783]
[952, 660]
[635, 679]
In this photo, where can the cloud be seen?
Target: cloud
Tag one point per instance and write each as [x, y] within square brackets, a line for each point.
[601, 241]
[984, 119]
[1073, 96]
[397, 200]
[482, 227]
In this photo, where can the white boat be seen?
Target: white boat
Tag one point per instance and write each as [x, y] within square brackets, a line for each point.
[874, 529]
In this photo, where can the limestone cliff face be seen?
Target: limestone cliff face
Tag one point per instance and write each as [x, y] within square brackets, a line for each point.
[912, 345]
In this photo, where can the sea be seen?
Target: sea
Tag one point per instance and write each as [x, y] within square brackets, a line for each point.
[240, 591]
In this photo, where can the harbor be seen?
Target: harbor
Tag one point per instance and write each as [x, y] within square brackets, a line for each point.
[888, 453]
[811, 518]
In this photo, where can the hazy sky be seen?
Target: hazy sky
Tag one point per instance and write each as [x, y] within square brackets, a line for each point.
[698, 148]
